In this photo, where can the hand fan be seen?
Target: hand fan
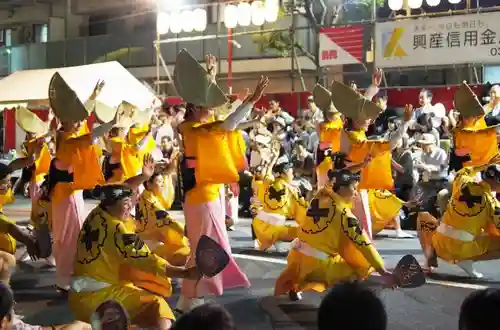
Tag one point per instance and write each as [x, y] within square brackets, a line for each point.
[408, 273]
[211, 258]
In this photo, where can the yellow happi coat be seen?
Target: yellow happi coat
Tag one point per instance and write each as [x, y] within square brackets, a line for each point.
[279, 202]
[111, 261]
[164, 236]
[472, 215]
[7, 242]
[331, 247]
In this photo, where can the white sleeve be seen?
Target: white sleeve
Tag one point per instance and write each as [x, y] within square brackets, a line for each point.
[237, 116]
[99, 131]
[371, 92]
[398, 134]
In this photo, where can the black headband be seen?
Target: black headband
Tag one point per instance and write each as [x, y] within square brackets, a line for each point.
[112, 193]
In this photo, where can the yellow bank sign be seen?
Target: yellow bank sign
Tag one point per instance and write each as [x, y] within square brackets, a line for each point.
[448, 40]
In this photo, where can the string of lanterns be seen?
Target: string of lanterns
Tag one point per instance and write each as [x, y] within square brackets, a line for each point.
[243, 14]
[416, 4]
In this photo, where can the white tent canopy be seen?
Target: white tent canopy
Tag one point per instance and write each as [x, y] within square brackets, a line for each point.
[31, 87]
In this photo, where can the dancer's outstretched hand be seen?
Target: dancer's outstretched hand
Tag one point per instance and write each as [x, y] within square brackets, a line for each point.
[388, 279]
[148, 167]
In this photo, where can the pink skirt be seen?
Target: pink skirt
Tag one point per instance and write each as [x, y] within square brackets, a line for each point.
[34, 191]
[67, 220]
[209, 219]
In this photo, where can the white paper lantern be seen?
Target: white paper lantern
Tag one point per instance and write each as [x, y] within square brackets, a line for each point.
[454, 2]
[395, 4]
[415, 4]
[230, 16]
[258, 13]
[188, 20]
[175, 22]
[200, 19]
[272, 9]
[244, 14]
[433, 3]
[162, 23]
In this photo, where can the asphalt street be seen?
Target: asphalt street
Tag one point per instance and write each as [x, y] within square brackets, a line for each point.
[433, 306]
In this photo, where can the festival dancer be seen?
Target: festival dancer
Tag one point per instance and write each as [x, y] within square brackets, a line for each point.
[9, 231]
[75, 167]
[331, 245]
[163, 235]
[105, 243]
[329, 134]
[279, 201]
[359, 113]
[469, 228]
[207, 164]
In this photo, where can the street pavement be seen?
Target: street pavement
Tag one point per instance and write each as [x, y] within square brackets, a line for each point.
[434, 306]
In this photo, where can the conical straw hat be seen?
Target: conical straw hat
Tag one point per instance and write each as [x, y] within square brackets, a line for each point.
[103, 112]
[30, 122]
[466, 102]
[352, 104]
[64, 101]
[322, 97]
[194, 84]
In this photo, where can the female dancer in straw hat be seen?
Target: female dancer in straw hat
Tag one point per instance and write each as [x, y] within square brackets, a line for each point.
[207, 164]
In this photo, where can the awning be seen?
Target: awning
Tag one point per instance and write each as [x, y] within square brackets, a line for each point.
[31, 87]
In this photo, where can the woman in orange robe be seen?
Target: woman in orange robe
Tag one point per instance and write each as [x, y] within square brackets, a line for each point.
[203, 196]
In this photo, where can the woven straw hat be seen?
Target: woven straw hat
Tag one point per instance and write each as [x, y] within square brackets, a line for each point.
[194, 84]
[104, 112]
[64, 101]
[30, 122]
[466, 102]
[352, 104]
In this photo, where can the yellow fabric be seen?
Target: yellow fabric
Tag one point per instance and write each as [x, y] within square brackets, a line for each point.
[7, 242]
[202, 192]
[329, 132]
[6, 198]
[106, 251]
[288, 204]
[136, 135]
[384, 206]
[215, 156]
[257, 196]
[474, 123]
[481, 142]
[378, 173]
[356, 136]
[476, 218]
[330, 227]
[42, 164]
[77, 152]
[325, 165]
[154, 223]
[128, 155]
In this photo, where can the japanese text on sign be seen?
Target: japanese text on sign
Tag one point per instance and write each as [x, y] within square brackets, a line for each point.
[437, 41]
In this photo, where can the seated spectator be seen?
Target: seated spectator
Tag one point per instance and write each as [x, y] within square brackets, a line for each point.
[342, 306]
[424, 126]
[10, 321]
[479, 311]
[206, 317]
